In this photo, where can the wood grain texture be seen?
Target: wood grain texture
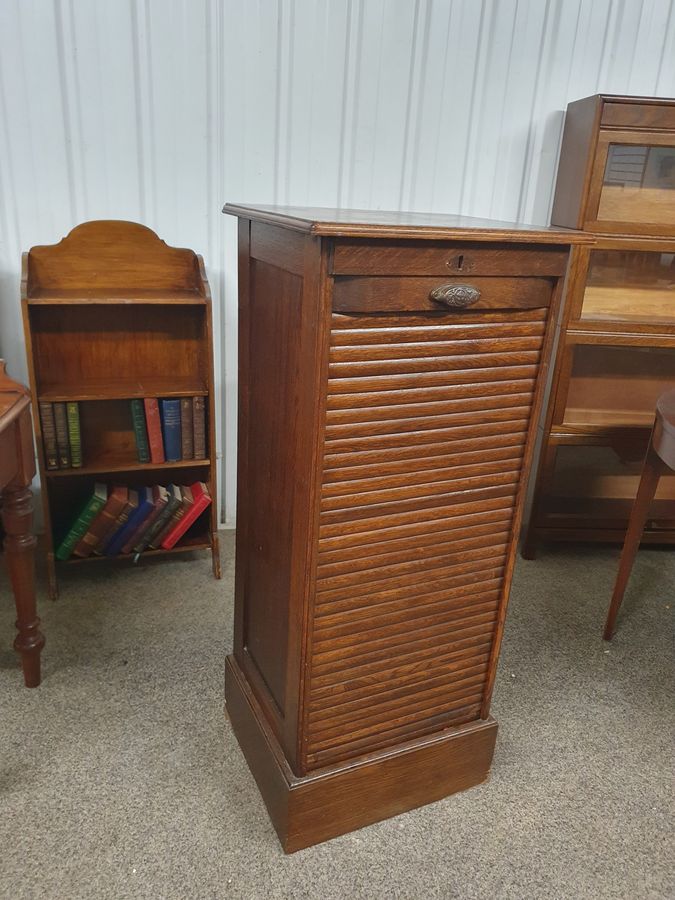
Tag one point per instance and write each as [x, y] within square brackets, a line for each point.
[402, 224]
[576, 162]
[383, 451]
[17, 469]
[447, 589]
[369, 294]
[336, 800]
[635, 114]
[112, 313]
[377, 257]
[615, 352]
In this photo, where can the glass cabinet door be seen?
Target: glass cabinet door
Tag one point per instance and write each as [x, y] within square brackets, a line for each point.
[630, 286]
[601, 482]
[615, 386]
[637, 186]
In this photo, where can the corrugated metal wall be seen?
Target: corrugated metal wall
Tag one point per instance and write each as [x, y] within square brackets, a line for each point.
[160, 110]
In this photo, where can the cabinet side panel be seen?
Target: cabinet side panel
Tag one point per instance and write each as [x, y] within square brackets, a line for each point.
[574, 167]
[275, 306]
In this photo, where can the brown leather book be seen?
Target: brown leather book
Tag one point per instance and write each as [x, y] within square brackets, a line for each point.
[186, 439]
[199, 427]
[104, 522]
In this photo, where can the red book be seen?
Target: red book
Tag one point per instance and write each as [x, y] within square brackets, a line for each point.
[154, 425]
[201, 499]
[186, 502]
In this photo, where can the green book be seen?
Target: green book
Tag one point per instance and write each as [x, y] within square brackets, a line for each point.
[81, 525]
[140, 431]
[73, 413]
[62, 445]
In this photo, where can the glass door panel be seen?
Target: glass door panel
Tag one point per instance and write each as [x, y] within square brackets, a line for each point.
[601, 482]
[617, 386]
[638, 184]
[630, 286]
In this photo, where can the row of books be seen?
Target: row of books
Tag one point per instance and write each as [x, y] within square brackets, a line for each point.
[169, 430]
[165, 430]
[121, 520]
[61, 434]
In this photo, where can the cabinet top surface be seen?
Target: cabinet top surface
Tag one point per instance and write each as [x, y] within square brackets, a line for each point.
[384, 224]
[625, 98]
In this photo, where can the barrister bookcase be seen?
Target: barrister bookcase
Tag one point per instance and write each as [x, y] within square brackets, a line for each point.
[391, 369]
[616, 179]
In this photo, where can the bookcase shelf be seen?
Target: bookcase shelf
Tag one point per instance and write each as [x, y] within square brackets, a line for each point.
[112, 468]
[112, 314]
[105, 296]
[124, 389]
[190, 546]
[190, 543]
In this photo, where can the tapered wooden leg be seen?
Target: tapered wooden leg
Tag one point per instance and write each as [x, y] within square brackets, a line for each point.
[19, 544]
[651, 472]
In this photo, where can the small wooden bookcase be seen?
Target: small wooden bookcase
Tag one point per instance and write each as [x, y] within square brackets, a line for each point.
[112, 313]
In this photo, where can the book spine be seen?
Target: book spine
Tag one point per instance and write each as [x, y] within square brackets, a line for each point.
[101, 526]
[175, 516]
[49, 434]
[140, 431]
[118, 523]
[155, 528]
[79, 527]
[73, 414]
[170, 410]
[154, 427]
[199, 427]
[186, 437]
[62, 442]
[136, 518]
[139, 533]
[197, 508]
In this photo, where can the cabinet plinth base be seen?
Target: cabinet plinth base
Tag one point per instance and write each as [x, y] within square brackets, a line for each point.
[332, 801]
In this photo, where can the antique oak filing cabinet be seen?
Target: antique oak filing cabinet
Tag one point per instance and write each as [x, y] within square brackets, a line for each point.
[391, 371]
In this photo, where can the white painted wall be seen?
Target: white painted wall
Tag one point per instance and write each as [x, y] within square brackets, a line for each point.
[161, 110]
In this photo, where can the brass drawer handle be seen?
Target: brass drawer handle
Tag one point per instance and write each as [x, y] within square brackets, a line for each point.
[456, 296]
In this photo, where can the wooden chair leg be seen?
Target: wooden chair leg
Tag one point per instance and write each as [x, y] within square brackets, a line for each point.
[651, 472]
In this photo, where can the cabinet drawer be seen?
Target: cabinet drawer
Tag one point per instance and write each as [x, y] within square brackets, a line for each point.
[638, 115]
[380, 294]
[361, 257]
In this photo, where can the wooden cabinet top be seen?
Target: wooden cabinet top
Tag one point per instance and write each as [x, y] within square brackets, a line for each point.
[383, 224]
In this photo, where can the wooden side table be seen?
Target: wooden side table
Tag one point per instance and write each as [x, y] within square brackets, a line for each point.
[17, 469]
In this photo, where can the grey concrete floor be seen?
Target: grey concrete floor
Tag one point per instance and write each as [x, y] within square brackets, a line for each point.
[119, 777]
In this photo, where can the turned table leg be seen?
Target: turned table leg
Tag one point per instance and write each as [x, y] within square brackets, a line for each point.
[19, 544]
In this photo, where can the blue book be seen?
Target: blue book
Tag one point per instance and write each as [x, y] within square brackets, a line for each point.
[142, 511]
[170, 413]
